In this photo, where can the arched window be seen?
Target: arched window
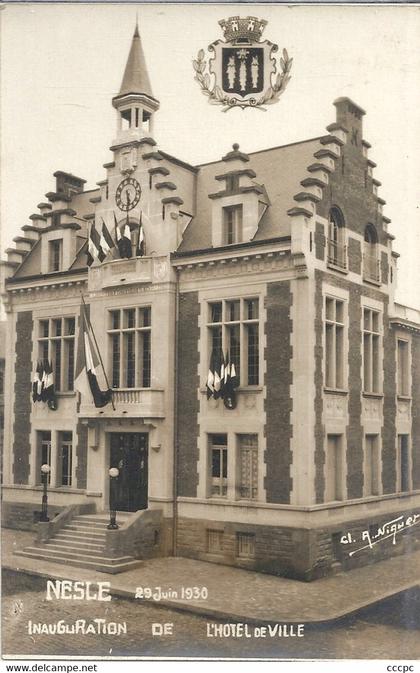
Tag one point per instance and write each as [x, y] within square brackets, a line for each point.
[337, 253]
[371, 269]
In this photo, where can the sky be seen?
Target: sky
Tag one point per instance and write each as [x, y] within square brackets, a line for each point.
[61, 65]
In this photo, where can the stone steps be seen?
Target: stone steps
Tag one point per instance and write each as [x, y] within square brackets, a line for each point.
[81, 543]
[101, 564]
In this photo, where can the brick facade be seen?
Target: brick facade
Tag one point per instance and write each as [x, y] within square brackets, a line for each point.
[415, 432]
[22, 404]
[81, 454]
[188, 384]
[278, 402]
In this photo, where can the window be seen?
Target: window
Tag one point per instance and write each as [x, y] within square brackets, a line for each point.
[334, 480]
[372, 465]
[371, 270]
[44, 453]
[371, 351]
[248, 466]
[403, 463]
[56, 345]
[219, 468]
[403, 387]
[334, 343]
[55, 255]
[65, 458]
[245, 545]
[214, 541]
[337, 251]
[129, 335]
[233, 329]
[232, 224]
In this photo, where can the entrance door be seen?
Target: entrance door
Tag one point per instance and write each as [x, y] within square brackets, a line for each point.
[129, 454]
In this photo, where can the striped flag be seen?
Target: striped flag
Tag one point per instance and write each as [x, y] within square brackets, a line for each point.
[126, 236]
[87, 362]
[140, 248]
[106, 241]
[94, 251]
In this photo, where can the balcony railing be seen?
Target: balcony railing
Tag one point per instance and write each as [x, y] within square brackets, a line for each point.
[371, 268]
[129, 402]
[337, 254]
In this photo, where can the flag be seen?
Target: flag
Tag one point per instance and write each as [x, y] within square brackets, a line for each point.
[106, 241]
[44, 374]
[118, 238]
[126, 237]
[140, 248]
[210, 378]
[230, 383]
[36, 383]
[94, 250]
[215, 376]
[50, 397]
[87, 362]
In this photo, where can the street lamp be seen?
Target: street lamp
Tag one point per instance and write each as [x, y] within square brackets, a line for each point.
[45, 470]
[113, 474]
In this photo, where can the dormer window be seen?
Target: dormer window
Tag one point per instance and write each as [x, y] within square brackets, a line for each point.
[56, 255]
[337, 252]
[232, 224]
[371, 271]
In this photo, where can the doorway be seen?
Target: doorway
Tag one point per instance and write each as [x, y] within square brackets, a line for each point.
[129, 453]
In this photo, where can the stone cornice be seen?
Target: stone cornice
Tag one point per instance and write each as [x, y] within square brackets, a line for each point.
[165, 185]
[228, 265]
[173, 199]
[55, 196]
[60, 211]
[44, 205]
[318, 166]
[48, 280]
[326, 140]
[234, 192]
[235, 248]
[244, 171]
[110, 164]
[401, 323]
[152, 155]
[159, 170]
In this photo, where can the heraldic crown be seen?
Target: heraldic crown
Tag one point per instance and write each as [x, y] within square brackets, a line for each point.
[244, 31]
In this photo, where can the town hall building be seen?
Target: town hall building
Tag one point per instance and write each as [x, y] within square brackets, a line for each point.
[278, 262]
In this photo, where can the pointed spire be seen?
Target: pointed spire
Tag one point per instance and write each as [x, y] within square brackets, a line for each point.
[136, 78]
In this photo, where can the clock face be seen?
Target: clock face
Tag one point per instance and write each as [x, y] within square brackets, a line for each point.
[128, 194]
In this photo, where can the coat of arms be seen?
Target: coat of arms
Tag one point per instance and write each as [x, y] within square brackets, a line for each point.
[242, 71]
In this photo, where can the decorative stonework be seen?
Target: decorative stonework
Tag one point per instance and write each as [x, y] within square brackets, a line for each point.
[404, 410]
[238, 266]
[372, 408]
[335, 407]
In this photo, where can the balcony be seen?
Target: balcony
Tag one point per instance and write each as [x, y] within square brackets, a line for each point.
[371, 268]
[337, 255]
[129, 403]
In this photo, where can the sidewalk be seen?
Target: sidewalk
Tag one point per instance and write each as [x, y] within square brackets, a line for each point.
[236, 594]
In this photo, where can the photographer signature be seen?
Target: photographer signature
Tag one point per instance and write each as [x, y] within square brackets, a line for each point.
[387, 530]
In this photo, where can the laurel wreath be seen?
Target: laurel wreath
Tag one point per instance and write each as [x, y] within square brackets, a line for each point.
[218, 97]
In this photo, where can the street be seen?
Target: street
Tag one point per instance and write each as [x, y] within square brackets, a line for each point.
[389, 631]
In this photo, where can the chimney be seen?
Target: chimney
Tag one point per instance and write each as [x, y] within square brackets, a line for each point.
[350, 116]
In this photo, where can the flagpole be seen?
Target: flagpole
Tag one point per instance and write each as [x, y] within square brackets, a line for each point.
[99, 353]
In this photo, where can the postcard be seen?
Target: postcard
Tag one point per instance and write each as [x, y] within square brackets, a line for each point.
[210, 334]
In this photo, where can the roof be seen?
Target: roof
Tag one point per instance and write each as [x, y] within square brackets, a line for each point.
[279, 170]
[136, 78]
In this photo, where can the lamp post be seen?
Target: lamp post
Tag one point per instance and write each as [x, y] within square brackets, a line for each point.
[113, 475]
[45, 470]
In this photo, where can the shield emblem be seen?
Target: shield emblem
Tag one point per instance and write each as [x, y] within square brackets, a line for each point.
[242, 70]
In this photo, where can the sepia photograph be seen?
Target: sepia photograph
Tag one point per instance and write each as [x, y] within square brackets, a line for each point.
[210, 332]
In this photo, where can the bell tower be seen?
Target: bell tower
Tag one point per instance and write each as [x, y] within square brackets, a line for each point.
[135, 103]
